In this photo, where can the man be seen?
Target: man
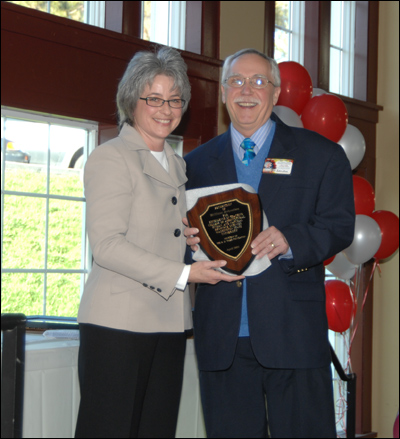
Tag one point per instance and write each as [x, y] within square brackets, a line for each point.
[262, 344]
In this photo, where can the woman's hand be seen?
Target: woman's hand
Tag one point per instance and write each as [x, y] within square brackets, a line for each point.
[205, 272]
[190, 233]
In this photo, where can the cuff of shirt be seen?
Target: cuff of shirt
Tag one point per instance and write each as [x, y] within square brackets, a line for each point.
[183, 280]
[287, 255]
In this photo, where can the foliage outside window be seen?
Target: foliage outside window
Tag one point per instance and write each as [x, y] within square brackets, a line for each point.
[45, 256]
[90, 12]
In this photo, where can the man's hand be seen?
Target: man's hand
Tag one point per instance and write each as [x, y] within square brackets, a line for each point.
[270, 242]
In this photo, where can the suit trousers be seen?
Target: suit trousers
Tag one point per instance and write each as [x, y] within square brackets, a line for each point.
[130, 382]
[249, 400]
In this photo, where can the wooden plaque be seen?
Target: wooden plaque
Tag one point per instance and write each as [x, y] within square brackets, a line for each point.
[228, 222]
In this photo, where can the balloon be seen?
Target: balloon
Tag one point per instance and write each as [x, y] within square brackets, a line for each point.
[341, 267]
[296, 86]
[353, 143]
[364, 196]
[327, 115]
[318, 91]
[388, 222]
[367, 240]
[340, 305]
[288, 116]
[329, 260]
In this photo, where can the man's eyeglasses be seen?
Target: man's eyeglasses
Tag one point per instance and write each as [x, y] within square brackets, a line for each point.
[256, 81]
[157, 102]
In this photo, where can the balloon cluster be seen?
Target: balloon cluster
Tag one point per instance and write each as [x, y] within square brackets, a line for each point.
[376, 232]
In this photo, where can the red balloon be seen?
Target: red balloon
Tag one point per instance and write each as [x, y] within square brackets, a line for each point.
[340, 305]
[388, 222]
[296, 86]
[329, 260]
[327, 115]
[364, 196]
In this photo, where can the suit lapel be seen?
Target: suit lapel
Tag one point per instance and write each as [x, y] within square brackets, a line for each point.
[283, 147]
[176, 176]
[222, 163]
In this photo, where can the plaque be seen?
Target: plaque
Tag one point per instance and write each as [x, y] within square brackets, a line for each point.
[228, 222]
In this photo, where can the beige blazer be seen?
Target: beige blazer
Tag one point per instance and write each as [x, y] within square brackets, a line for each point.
[134, 212]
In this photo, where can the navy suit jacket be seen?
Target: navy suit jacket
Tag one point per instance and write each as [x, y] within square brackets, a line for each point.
[314, 208]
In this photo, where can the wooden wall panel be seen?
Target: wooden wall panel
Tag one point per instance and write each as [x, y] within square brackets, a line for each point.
[58, 66]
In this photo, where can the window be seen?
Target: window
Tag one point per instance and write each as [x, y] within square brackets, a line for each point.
[341, 73]
[164, 22]
[45, 255]
[289, 31]
[84, 11]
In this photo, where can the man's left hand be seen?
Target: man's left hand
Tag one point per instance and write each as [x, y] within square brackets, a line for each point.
[270, 242]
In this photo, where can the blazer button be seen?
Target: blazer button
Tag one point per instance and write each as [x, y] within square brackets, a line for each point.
[177, 232]
[174, 200]
[239, 283]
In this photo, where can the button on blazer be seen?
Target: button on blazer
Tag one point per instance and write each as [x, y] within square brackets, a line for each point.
[134, 211]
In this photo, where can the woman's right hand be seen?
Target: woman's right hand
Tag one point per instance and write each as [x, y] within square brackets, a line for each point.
[206, 272]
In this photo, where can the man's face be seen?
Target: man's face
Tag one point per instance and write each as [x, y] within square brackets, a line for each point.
[249, 108]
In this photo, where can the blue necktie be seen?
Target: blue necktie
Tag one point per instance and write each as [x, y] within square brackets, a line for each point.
[249, 153]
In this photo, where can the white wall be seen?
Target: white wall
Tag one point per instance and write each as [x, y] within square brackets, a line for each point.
[385, 366]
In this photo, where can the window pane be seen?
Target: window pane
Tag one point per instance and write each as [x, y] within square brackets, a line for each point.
[24, 232]
[164, 22]
[282, 15]
[43, 227]
[282, 39]
[22, 292]
[90, 12]
[63, 294]
[336, 24]
[25, 146]
[65, 234]
[335, 71]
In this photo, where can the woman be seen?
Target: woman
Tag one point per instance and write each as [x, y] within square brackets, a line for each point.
[135, 307]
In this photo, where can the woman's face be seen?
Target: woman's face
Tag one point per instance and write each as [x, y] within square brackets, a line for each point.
[156, 123]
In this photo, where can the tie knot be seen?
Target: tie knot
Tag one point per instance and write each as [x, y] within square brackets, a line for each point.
[249, 153]
[247, 144]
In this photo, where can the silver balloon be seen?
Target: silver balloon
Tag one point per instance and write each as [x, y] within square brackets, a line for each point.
[318, 91]
[288, 116]
[353, 143]
[341, 267]
[367, 240]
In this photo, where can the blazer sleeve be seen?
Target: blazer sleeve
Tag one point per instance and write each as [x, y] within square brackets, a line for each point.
[110, 192]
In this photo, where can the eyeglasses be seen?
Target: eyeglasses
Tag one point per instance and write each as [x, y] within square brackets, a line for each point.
[157, 102]
[256, 81]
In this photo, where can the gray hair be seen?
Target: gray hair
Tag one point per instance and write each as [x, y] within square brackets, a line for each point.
[141, 71]
[274, 65]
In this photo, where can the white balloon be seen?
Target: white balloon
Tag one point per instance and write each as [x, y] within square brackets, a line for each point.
[367, 240]
[288, 116]
[341, 267]
[318, 91]
[353, 143]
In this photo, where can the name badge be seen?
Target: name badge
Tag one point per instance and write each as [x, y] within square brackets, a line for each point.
[278, 166]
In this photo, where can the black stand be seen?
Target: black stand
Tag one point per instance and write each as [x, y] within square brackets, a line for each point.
[12, 374]
[351, 380]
